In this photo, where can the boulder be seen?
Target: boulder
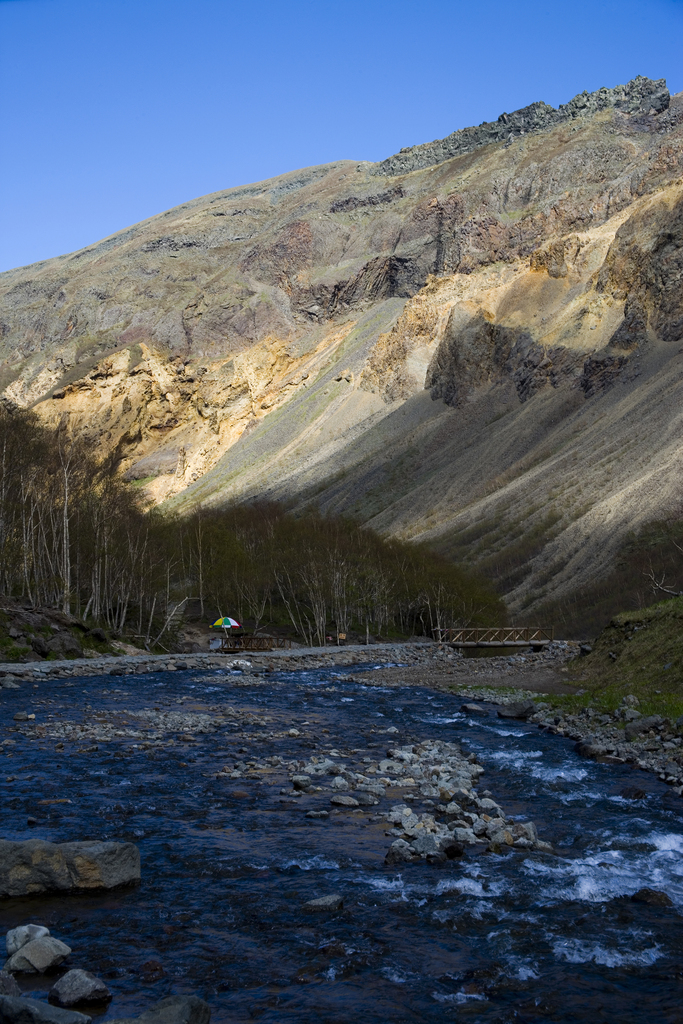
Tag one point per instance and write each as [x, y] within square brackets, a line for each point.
[38, 955]
[589, 748]
[452, 848]
[464, 835]
[426, 843]
[374, 788]
[543, 847]
[39, 646]
[491, 807]
[332, 902]
[18, 937]
[654, 897]
[344, 801]
[173, 1010]
[78, 987]
[36, 866]
[473, 709]
[640, 725]
[65, 644]
[14, 1010]
[399, 852]
[366, 799]
[521, 709]
[8, 986]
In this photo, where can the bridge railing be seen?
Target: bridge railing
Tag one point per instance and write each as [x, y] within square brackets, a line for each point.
[500, 636]
[254, 643]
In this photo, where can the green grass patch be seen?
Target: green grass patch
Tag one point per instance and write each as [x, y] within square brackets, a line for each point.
[638, 653]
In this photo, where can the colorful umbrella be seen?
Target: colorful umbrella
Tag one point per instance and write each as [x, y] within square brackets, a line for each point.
[226, 622]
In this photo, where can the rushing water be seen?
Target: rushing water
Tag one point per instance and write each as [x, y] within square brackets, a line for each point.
[228, 864]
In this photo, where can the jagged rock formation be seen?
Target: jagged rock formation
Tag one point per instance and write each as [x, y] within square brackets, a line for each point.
[640, 96]
[480, 350]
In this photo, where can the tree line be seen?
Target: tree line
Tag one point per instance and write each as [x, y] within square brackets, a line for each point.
[74, 535]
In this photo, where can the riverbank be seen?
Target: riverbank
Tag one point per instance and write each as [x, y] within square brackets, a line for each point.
[626, 734]
[12, 673]
[424, 656]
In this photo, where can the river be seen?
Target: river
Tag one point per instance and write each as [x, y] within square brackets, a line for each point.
[227, 864]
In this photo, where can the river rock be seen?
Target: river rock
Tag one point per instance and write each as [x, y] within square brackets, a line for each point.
[366, 799]
[344, 801]
[464, 835]
[652, 896]
[36, 866]
[332, 902]
[317, 814]
[520, 709]
[173, 1010]
[426, 843]
[38, 955]
[588, 747]
[491, 807]
[18, 937]
[473, 709]
[399, 852]
[374, 788]
[14, 1010]
[301, 782]
[640, 725]
[78, 987]
[8, 986]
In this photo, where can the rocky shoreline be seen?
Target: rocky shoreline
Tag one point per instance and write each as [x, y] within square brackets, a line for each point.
[625, 736]
[12, 674]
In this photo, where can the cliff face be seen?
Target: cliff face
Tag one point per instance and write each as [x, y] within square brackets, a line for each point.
[475, 342]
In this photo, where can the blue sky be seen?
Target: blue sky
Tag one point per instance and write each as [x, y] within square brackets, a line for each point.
[114, 110]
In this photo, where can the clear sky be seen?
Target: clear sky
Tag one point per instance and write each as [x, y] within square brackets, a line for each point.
[114, 110]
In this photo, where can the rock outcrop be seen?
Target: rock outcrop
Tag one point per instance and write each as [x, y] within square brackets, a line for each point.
[641, 97]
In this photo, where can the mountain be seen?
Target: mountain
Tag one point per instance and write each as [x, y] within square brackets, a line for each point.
[475, 343]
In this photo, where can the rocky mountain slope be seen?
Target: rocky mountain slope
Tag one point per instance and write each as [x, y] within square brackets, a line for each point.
[476, 342]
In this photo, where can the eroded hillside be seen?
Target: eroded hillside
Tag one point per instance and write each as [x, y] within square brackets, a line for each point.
[474, 343]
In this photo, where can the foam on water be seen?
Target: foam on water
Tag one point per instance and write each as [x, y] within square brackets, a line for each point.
[583, 951]
[397, 977]
[458, 997]
[317, 863]
[608, 874]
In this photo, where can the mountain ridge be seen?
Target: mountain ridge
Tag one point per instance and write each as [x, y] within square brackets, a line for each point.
[639, 96]
[429, 351]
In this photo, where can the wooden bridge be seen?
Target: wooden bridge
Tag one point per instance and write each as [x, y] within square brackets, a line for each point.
[535, 637]
[254, 643]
